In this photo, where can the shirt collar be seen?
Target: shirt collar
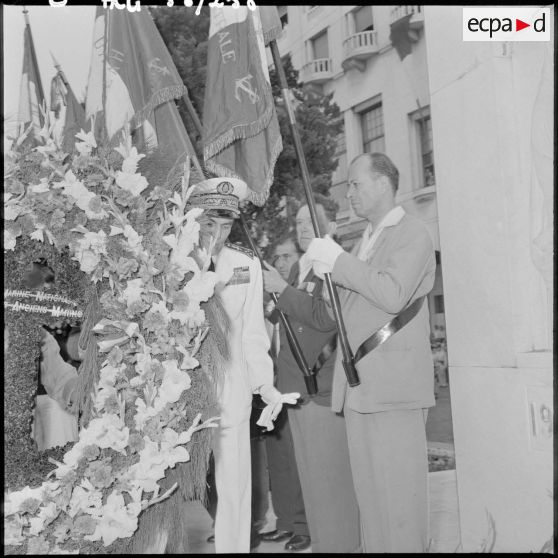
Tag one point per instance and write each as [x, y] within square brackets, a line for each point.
[304, 267]
[390, 219]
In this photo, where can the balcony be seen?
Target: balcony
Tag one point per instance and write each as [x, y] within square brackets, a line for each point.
[317, 71]
[417, 20]
[357, 48]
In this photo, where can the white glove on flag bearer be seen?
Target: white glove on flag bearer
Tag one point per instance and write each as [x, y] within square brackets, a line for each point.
[274, 399]
[323, 252]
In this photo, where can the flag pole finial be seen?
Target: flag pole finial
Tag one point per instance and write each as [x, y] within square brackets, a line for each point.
[55, 62]
[26, 15]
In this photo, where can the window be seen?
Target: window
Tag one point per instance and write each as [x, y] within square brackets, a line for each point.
[423, 147]
[439, 304]
[363, 19]
[319, 46]
[341, 146]
[426, 150]
[372, 125]
[283, 15]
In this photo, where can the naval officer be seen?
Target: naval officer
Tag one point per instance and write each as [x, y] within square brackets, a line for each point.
[250, 368]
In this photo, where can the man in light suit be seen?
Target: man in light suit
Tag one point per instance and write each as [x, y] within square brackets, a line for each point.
[319, 436]
[391, 267]
[250, 368]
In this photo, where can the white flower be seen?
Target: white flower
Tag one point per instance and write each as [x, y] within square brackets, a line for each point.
[143, 365]
[188, 362]
[143, 413]
[172, 450]
[175, 381]
[13, 500]
[89, 249]
[106, 431]
[12, 211]
[133, 183]
[132, 292]
[82, 196]
[88, 261]
[49, 147]
[149, 469]
[37, 234]
[116, 520]
[9, 240]
[196, 318]
[87, 142]
[13, 532]
[47, 513]
[102, 395]
[201, 286]
[160, 308]
[85, 499]
[134, 239]
[130, 163]
[39, 188]
[109, 374]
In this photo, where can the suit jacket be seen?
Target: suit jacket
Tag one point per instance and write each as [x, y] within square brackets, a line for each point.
[313, 327]
[399, 374]
[250, 365]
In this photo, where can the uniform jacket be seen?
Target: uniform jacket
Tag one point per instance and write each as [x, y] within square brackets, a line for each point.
[250, 365]
[399, 374]
[306, 309]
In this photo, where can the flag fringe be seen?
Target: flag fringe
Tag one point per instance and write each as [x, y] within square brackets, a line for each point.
[162, 96]
[242, 131]
[257, 198]
[271, 34]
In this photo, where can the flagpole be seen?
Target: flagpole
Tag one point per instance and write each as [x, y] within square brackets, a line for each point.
[40, 91]
[348, 358]
[309, 376]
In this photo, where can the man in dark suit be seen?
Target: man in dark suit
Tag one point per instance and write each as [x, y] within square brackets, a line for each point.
[319, 436]
[286, 492]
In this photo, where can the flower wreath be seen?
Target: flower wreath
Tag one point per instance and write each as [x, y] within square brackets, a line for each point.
[153, 280]
[25, 311]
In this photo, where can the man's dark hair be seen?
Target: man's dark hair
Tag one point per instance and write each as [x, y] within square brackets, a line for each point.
[331, 207]
[283, 239]
[380, 163]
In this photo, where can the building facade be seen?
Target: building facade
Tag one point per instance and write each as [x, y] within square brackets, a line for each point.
[385, 103]
[470, 127]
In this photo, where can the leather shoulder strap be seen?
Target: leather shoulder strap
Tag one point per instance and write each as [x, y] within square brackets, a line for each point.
[385, 332]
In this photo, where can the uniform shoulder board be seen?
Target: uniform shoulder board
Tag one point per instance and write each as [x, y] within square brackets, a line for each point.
[240, 248]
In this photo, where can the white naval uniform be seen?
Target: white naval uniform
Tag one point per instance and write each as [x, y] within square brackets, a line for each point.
[249, 368]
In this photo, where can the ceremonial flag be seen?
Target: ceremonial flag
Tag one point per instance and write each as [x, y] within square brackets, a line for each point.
[133, 83]
[271, 23]
[31, 96]
[241, 134]
[68, 112]
[401, 36]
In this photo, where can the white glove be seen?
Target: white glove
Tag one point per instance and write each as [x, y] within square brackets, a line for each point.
[323, 252]
[274, 399]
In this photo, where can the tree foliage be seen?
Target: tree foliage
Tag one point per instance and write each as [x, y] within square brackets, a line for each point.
[318, 121]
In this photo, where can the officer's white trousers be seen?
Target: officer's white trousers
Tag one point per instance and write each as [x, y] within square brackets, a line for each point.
[231, 450]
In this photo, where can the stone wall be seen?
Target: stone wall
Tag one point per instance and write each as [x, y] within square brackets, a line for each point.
[492, 107]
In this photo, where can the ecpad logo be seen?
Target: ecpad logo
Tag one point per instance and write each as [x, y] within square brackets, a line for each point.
[506, 24]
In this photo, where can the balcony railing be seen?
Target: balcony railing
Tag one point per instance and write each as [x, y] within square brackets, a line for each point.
[317, 71]
[401, 11]
[357, 48]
